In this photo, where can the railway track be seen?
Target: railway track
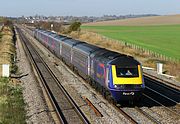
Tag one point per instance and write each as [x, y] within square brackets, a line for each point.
[153, 112]
[163, 88]
[159, 94]
[127, 116]
[173, 111]
[154, 120]
[159, 81]
[164, 103]
[66, 109]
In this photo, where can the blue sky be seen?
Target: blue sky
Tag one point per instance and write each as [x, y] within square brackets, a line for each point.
[87, 7]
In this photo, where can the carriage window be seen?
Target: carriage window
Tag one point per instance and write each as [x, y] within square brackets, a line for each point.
[127, 72]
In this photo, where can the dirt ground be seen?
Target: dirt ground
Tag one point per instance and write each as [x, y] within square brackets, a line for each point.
[154, 20]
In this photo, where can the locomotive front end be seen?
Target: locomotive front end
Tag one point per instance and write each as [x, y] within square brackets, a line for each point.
[126, 81]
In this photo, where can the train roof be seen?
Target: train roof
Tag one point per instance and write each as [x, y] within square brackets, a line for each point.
[49, 33]
[106, 56]
[43, 31]
[111, 55]
[99, 52]
[71, 42]
[53, 35]
[61, 37]
[124, 61]
[87, 48]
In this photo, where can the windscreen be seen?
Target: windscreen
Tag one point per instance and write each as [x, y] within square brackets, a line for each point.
[127, 71]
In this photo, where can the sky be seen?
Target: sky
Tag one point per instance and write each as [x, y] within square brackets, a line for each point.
[15, 8]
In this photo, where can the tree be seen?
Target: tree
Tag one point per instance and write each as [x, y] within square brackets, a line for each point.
[75, 26]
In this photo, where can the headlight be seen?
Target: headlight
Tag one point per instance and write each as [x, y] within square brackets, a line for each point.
[119, 86]
[115, 86]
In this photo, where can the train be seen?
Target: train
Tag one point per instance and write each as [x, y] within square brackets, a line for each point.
[118, 74]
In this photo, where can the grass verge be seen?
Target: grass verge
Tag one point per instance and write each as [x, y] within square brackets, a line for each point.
[12, 106]
[11, 103]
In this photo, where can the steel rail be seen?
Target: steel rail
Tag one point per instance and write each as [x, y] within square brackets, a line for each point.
[58, 110]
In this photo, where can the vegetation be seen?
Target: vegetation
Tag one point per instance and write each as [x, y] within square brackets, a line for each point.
[161, 39]
[11, 103]
[0, 36]
[7, 48]
[12, 107]
[6, 22]
[75, 26]
[1, 19]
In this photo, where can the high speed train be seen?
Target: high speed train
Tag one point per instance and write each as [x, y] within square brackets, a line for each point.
[119, 74]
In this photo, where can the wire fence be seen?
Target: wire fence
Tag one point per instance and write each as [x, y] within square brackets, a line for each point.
[139, 48]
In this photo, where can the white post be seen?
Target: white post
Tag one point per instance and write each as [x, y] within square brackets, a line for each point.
[52, 27]
[5, 70]
[159, 68]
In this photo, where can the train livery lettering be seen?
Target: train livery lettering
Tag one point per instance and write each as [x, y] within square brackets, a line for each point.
[128, 93]
[100, 71]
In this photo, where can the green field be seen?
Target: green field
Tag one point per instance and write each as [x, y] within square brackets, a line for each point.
[161, 39]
